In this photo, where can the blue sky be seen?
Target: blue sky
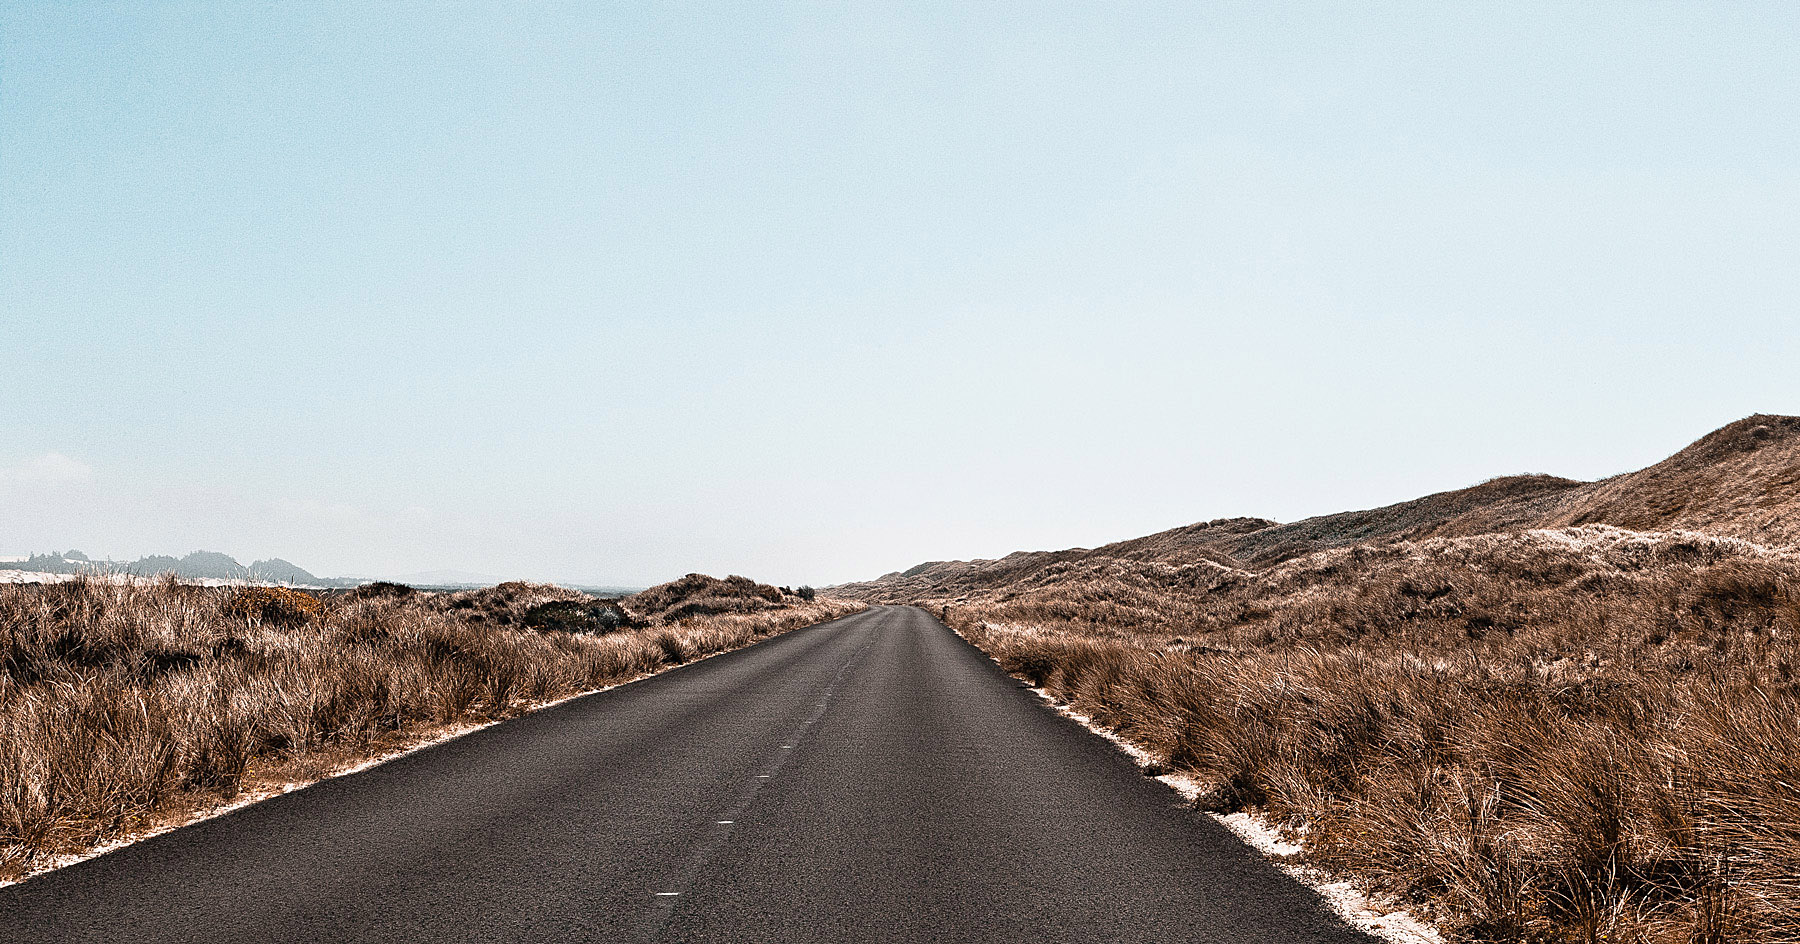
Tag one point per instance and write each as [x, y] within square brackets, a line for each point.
[612, 292]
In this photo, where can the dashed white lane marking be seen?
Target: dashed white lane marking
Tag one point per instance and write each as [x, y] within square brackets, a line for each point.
[658, 918]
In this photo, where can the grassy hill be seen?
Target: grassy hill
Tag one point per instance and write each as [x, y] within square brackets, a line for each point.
[1741, 481]
[1537, 709]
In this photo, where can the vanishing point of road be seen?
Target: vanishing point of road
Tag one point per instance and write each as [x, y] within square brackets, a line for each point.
[870, 779]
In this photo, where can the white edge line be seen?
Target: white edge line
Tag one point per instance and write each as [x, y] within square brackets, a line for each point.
[1348, 902]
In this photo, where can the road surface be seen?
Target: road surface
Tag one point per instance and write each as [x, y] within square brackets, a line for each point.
[871, 779]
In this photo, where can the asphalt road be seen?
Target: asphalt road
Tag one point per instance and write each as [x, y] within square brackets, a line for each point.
[869, 779]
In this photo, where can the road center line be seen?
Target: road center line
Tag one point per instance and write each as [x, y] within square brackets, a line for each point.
[707, 848]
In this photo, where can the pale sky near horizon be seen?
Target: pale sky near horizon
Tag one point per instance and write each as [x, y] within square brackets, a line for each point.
[608, 293]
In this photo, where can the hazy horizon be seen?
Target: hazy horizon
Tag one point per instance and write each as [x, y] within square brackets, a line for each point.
[609, 295]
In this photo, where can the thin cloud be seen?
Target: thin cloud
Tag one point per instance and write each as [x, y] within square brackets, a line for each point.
[50, 468]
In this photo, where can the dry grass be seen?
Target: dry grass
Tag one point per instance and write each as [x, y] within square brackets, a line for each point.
[1585, 734]
[1492, 702]
[124, 705]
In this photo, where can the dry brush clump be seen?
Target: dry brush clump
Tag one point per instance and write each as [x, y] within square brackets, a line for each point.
[124, 704]
[700, 595]
[1585, 734]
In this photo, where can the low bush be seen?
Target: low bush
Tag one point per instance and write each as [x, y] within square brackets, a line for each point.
[574, 616]
[697, 595]
[277, 606]
[381, 590]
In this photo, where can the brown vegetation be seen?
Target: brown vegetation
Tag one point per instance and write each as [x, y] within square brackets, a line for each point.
[700, 595]
[275, 605]
[1540, 733]
[123, 705]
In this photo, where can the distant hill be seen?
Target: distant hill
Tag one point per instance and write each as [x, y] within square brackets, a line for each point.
[202, 564]
[1740, 481]
[55, 562]
[279, 571]
[199, 565]
[212, 565]
[152, 566]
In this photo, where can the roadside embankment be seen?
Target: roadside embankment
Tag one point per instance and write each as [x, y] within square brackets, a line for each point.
[1576, 734]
